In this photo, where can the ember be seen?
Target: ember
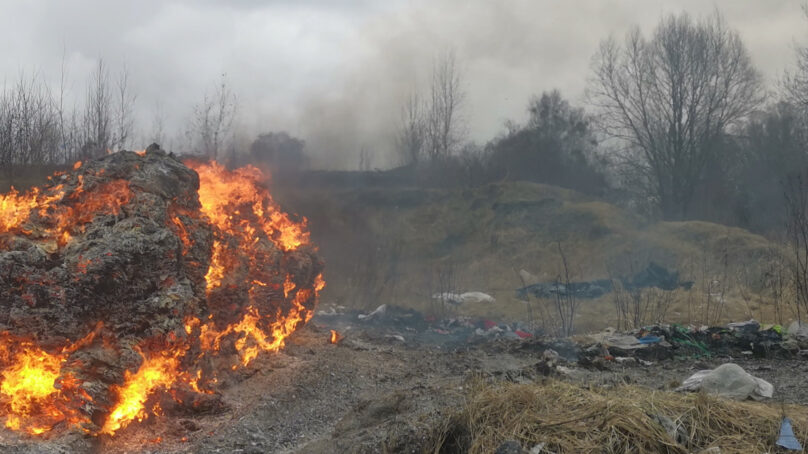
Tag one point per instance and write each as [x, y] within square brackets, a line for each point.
[134, 275]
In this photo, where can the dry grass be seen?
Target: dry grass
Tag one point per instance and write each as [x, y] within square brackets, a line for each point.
[571, 419]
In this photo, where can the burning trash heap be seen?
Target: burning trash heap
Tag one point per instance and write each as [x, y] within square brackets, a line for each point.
[130, 284]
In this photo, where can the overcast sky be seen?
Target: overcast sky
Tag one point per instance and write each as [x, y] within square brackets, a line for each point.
[335, 72]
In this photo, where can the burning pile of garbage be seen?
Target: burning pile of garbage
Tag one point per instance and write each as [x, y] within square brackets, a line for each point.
[128, 284]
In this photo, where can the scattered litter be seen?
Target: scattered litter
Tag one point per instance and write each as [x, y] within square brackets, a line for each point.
[537, 449]
[750, 325]
[649, 339]
[729, 380]
[676, 431]
[787, 439]
[625, 342]
[377, 312]
[464, 298]
[798, 331]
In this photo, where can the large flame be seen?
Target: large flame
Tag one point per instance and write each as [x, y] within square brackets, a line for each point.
[221, 189]
[34, 385]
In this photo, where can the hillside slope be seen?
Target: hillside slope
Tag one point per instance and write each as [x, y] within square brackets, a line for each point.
[401, 245]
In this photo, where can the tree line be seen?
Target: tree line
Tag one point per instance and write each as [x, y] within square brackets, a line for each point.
[38, 127]
[677, 124]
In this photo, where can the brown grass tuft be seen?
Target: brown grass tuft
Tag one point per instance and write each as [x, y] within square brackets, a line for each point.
[572, 419]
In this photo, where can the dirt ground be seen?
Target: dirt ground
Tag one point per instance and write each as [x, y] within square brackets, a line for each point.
[371, 392]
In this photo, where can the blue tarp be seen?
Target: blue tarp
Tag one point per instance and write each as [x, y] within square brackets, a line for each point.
[649, 339]
[787, 439]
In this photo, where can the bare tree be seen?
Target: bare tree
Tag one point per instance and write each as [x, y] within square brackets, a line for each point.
[672, 97]
[796, 82]
[124, 107]
[412, 132]
[29, 131]
[365, 159]
[444, 128]
[158, 119]
[97, 134]
[796, 197]
[212, 120]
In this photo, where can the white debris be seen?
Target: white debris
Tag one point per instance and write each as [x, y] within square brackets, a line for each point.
[377, 312]
[331, 311]
[477, 297]
[464, 298]
[537, 449]
[798, 330]
[729, 380]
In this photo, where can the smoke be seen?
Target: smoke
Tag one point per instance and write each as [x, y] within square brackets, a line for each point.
[335, 73]
[507, 52]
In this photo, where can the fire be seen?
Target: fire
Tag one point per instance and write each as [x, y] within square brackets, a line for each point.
[335, 337]
[16, 209]
[155, 373]
[27, 386]
[251, 338]
[30, 384]
[38, 389]
[221, 192]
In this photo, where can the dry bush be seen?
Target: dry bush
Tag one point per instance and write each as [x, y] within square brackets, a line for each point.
[638, 307]
[771, 294]
[571, 419]
[441, 282]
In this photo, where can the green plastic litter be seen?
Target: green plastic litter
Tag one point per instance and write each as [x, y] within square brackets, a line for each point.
[682, 337]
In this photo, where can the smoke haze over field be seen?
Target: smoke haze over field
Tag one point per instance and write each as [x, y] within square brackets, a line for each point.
[335, 73]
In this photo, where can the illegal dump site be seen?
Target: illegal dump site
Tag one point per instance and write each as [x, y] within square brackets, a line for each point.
[158, 304]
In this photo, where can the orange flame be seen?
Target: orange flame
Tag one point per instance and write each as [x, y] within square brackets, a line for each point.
[156, 372]
[222, 191]
[65, 219]
[28, 385]
[16, 208]
[335, 337]
[31, 387]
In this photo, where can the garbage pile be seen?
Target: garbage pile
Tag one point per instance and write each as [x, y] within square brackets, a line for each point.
[745, 339]
[652, 343]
